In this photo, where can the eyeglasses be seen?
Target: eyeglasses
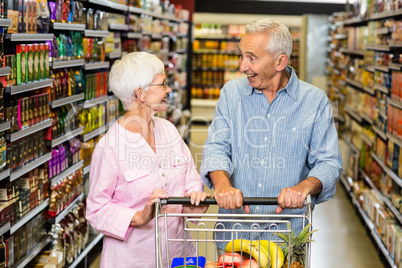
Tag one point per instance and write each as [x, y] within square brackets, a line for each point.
[164, 84]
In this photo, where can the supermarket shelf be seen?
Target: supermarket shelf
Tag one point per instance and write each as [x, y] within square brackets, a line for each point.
[67, 100]
[375, 47]
[28, 87]
[367, 140]
[67, 210]
[5, 71]
[114, 55]
[354, 83]
[345, 181]
[367, 118]
[395, 103]
[118, 27]
[387, 170]
[109, 4]
[95, 133]
[96, 101]
[134, 35]
[67, 136]
[394, 139]
[86, 170]
[10, 137]
[66, 172]
[395, 66]
[354, 115]
[352, 52]
[4, 174]
[137, 10]
[97, 65]
[18, 37]
[384, 199]
[4, 126]
[4, 228]
[381, 68]
[351, 145]
[34, 164]
[384, 30]
[87, 249]
[379, 132]
[68, 26]
[340, 36]
[369, 90]
[29, 216]
[5, 22]
[35, 251]
[96, 33]
[381, 88]
[68, 63]
[374, 233]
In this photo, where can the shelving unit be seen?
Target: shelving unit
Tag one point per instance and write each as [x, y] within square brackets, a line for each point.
[66, 137]
[87, 249]
[67, 210]
[14, 227]
[4, 71]
[90, 103]
[26, 37]
[34, 164]
[28, 131]
[68, 26]
[363, 101]
[67, 100]
[56, 179]
[68, 63]
[28, 87]
[35, 251]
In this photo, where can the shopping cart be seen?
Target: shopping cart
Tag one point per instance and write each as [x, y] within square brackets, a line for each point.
[204, 227]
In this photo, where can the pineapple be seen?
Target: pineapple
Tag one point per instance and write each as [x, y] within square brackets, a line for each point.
[298, 247]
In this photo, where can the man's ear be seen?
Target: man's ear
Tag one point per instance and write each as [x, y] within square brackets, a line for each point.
[282, 62]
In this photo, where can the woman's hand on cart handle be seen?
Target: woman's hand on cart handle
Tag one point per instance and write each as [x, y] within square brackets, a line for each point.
[294, 197]
[147, 214]
[197, 204]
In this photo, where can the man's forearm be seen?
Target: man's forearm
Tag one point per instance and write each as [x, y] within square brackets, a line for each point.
[313, 184]
[220, 179]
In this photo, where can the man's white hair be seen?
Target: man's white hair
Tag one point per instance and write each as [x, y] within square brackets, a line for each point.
[280, 41]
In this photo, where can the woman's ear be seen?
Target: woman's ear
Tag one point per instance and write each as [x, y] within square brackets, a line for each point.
[282, 61]
[138, 93]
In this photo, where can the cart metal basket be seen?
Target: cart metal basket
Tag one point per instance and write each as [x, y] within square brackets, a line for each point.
[204, 227]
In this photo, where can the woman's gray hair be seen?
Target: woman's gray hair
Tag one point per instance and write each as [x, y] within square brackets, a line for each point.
[136, 69]
[280, 37]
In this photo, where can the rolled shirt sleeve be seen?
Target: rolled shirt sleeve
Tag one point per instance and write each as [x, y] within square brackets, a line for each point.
[103, 213]
[324, 157]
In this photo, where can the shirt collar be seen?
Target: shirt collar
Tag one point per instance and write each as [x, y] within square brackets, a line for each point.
[291, 87]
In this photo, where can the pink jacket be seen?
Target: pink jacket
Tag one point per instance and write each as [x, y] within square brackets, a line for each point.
[124, 172]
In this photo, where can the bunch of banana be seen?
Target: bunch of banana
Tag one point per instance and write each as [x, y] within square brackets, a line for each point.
[264, 251]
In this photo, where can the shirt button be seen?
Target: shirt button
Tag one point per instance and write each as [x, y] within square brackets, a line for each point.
[257, 208]
[160, 166]
[263, 162]
[269, 115]
[294, 129]
[266, 138]
[165, 184]
[260, 185]
[163, 174]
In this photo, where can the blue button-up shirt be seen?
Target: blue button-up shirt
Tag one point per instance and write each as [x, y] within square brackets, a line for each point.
[267, 147]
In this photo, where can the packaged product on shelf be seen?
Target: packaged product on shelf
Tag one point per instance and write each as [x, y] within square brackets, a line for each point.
[21, 59]
[9, 251]
[30, 62]
[65, 10]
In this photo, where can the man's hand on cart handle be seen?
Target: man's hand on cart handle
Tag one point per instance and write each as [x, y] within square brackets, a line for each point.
[293, 197]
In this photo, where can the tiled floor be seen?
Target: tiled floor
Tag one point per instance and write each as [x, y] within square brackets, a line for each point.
[341, 240]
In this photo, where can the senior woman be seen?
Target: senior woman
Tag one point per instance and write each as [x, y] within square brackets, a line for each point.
[140, 159]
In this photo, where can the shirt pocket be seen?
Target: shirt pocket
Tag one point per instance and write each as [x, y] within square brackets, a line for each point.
[178, 165]
[291, 143]
[136, 175]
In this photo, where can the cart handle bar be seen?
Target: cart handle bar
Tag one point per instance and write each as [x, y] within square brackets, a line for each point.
[212, 201]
